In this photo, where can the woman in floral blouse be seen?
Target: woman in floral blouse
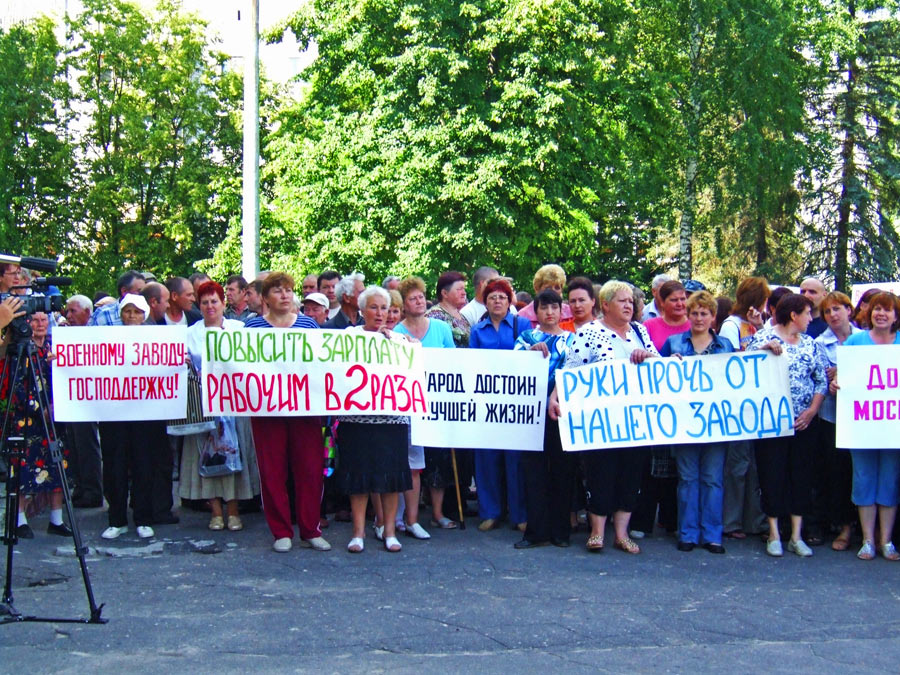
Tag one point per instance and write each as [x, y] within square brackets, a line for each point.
[783, 462]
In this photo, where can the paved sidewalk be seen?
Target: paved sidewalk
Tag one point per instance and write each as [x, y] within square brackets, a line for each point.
[193, 600]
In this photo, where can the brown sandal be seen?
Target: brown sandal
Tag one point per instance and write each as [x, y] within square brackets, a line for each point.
[628, 545]
[595, 543]
[840, 543]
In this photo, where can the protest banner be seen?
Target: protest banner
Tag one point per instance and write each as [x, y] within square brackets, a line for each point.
[483, 398]
[284, 372]
[119, 373]
[698, 399]
[868, 401]
[857, 290]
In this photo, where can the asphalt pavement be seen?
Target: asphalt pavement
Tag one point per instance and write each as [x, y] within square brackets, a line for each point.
[465, 601]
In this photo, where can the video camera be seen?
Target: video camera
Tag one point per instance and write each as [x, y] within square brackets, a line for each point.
[34, 296]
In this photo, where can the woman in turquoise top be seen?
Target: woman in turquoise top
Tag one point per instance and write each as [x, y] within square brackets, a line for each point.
[549, 476]
[431, 333]
[876, 472]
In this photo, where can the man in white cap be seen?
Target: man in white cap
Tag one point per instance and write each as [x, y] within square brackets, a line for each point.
[315, 306]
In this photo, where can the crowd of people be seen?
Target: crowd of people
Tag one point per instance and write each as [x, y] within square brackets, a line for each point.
[801, 489]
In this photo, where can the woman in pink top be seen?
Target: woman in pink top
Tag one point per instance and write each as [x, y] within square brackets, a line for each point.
[673, 320]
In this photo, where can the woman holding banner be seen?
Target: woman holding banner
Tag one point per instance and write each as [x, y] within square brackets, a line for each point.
[549, 476]
[701, 466]
[784, 462]
[374, 449]
[138, 449]
[876, 472]
[438, 474]
[613, 476]
[499, 330]
[836, 309]
[288, 444]
[431, 333]
[231, 487]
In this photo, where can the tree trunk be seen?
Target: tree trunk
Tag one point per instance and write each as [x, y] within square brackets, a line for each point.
[848, 172]
[692, 124]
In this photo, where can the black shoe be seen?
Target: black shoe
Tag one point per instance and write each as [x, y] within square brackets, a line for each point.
[714, 548]
[62, 530]
[527, 543]
[561, 543]
[24, 532]
[686, 546]
[168, 519]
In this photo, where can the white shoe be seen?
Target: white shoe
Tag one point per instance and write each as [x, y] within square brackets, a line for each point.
[636, 534]
[282, 545]
[417, 531]
[316, 543]
[774, 549]
[379, 532]
[144, 531]
[114, 532]
[392, 545]
[800, 548]
[356, 545]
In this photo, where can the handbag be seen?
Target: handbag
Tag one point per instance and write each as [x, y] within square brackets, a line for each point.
[220, 455]
[195, 422]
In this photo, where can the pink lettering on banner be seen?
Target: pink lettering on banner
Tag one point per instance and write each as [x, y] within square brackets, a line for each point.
[876, 411]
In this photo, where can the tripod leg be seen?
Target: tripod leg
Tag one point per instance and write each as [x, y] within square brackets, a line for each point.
[49, 429]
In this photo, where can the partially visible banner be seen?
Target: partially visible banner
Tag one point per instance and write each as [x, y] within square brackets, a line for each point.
[698, 399]
[868, 401]
[483, 398]
[119, 373]
[857, 290]
[272, 372]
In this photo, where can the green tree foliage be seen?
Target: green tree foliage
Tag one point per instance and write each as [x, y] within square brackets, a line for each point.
[36, 181]
[438, 134]
[855, 205]
[158, 140]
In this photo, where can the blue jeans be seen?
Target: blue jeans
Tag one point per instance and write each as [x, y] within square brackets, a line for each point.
[489, 467]
[700, 470]
[875, 474]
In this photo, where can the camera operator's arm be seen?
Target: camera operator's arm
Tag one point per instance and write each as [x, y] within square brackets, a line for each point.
[10, 309]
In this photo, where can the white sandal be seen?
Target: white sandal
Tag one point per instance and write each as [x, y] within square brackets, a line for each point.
[392, 545]
[356, 545]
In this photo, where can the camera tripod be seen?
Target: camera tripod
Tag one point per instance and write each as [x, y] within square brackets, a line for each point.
[26, 370]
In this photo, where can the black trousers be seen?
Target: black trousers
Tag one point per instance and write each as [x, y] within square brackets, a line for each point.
[614, 479]
[84, 462]
[661, 493]
[549, 477]
[786, 474]
[139, 451]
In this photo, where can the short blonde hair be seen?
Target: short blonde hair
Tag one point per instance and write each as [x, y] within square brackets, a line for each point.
[410, 284]
[702, 299]
[396, 299]
[549, 275]
[610, 288]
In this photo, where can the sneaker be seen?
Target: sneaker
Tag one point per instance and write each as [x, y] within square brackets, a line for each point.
[417, 531]
[316, 543]
[774, 549]
[114, 532]
[800, 548]
[282, 545]
[145, 531]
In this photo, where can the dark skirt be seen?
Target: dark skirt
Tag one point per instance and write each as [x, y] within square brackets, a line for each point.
[373, 458]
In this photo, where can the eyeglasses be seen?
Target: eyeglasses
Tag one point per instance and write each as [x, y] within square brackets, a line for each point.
[496, 297]
[13, 273]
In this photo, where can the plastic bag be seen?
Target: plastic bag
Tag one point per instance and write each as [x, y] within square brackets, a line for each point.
[220, 454]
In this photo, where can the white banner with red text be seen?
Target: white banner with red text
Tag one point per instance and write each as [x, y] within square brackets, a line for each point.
[483, 398]
[868, 401]
[119, 373]
[698, 399]
[276, 372]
